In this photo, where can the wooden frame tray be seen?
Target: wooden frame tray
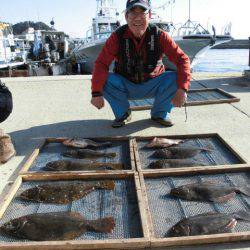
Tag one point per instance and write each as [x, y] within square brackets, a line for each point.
[187, 240]
[121, 243]
[228, 99]
[27, 165]
[241, 161]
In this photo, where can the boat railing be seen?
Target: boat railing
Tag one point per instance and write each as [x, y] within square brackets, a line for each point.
[97, 36]
[192, 28]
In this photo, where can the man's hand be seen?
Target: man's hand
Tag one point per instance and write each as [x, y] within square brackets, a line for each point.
[179, 98]
[98, 102]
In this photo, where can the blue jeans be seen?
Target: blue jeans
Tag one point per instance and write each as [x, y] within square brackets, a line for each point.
[118, 90]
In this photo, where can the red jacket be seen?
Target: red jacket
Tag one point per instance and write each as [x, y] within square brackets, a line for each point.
[168, 47]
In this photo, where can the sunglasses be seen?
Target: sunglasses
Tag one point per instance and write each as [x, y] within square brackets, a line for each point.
[133, 14]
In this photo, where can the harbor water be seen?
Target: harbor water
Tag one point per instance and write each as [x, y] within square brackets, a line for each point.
[222, 60]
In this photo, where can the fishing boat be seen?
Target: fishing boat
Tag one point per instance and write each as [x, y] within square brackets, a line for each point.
[49, 52]
[106, 21]
[192, 38]
[12, 54]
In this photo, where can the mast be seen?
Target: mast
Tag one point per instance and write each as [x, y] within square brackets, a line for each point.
[189, 12]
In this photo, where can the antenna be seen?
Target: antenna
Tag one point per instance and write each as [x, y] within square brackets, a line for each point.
[189, 13]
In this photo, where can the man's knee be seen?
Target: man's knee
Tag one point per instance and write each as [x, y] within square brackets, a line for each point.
[169, 81]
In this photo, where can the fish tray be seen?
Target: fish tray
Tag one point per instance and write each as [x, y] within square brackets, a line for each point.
[50, 149]
[195, 97]
[125, 204]
[164, 211]
[222, 156]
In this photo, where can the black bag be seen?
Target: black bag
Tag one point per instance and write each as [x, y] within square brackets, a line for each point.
[6, 103]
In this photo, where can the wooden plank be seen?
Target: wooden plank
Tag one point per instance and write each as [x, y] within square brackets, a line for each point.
[33, 156]
[202, 239]
[197, 170]
[111, 138]
[132, 243]
[62, 139]
[138, 108]
[56, 139]
[185, 136]
[146, 204]
[131, 153]
[137, 157]
[223, 92]
[76, 176]
[119, 167]
[142, 207]
[230, 147]
[9, 196]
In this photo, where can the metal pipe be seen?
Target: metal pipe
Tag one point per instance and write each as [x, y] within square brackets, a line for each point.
[249, 52]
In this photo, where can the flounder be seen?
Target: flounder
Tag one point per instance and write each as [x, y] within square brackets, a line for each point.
[63, 194]
[208, 223]
[178, 152]
[162, 143]
[87, 153]
[55, 226]
[174, 163]
[64, 165]
[84, 143]
[208, 191]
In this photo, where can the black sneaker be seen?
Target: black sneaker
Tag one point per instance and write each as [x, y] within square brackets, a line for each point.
[163, 121]
[117, 123]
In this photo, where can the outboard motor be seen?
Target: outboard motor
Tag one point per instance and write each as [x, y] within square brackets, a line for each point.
[213, 38]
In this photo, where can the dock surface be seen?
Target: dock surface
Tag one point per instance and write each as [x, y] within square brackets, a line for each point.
[60, 107]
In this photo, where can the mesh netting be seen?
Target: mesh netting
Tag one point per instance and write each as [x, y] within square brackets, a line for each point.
[220, 154]
[120, 203]
[166, 211]
[202, 96]
[53, 152]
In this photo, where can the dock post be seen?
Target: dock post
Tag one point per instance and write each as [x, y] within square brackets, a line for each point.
[247, 71]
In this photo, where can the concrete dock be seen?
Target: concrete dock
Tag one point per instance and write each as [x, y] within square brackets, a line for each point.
[234, 44]
[60, 107]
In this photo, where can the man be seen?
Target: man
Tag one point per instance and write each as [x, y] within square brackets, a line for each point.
[137, 49]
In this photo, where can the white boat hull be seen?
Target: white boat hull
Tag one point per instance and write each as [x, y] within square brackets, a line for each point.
[192, 47]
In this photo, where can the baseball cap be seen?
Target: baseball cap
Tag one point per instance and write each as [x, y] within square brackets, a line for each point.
[137, 3]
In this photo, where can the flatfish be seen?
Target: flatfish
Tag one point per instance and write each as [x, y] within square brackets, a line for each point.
[63, 194]
[179, 152]
[55, 226]
[208, 223]
[64, 165]
[87, 153]
[84, 143]
[208, 191]
[174, 163]
[162, 143]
